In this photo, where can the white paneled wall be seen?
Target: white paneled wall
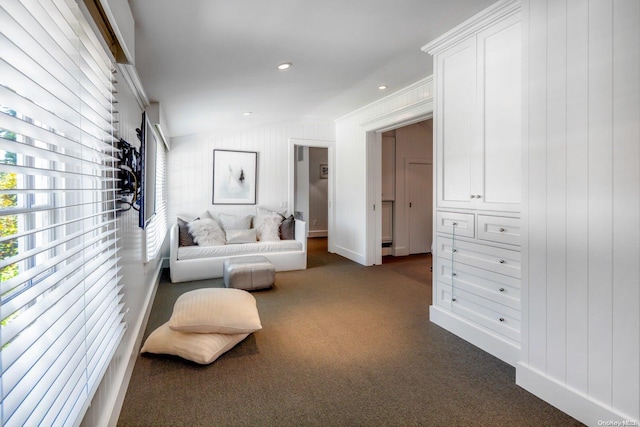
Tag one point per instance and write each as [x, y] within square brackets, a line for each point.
[190, 165]
[353, 204]
[581, 249]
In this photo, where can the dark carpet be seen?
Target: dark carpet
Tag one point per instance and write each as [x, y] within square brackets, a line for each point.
[341, 345]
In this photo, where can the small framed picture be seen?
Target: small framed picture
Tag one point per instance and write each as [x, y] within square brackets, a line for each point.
[234, 177]
[324, 170]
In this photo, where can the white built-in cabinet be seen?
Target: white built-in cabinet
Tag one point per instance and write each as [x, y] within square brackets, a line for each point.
[477, 116]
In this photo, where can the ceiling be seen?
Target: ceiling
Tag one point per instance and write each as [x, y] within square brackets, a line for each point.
[209, 61]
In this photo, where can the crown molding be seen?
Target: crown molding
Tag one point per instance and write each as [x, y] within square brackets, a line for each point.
[500, 10]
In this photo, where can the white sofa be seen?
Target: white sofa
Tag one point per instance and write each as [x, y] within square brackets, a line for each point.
[205, 262]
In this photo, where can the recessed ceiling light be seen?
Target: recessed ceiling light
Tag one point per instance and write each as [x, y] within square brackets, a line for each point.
[246, 113]
[382, 87]
[284, 65]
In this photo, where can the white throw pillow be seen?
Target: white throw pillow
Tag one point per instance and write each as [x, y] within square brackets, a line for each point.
[207, 232]
[268, 227]
[241, 236]
[216, 310]
[199, 348]
[235, 222]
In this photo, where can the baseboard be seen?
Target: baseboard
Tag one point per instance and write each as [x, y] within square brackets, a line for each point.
[480, 337]
[568, 400]
[353, 256]
[400, 251]
[318, 233]
[132, 350]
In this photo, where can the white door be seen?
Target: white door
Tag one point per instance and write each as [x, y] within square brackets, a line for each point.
[420, 190]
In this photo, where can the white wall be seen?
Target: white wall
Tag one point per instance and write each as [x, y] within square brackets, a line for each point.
[581, 207]
[353, 201]
[190, 165]
[139, 280]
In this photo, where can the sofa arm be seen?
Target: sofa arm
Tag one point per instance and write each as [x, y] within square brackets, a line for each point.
[301, 233]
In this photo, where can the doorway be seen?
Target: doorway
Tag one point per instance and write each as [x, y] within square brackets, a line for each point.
[406, 159]
[311, 185]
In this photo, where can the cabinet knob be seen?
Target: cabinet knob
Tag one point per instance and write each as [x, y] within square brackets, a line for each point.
[502, 261]
[478, 196]
[454, 250]
[454, 223]
[502, 319]
[501, 289]
[454, 299]
[501, 230]
[473, 197]
[454, 274]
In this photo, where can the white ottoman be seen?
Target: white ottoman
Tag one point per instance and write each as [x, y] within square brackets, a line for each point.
[249, 273]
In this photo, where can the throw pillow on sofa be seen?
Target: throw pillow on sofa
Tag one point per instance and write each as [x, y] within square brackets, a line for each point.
[184, 237]
[235, 222]
[268, 227]
[241, 236]
[207, 232]
[288, 228]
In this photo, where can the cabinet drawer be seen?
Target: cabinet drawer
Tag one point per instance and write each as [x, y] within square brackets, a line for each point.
[489, 314]
[453, 222]
[502, 289]
[503, 261]
[499, 229]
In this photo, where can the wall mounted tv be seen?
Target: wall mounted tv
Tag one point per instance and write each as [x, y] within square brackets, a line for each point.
[148, 152]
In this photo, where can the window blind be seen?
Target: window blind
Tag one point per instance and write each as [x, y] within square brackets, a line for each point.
[60, 298]
[157, 228]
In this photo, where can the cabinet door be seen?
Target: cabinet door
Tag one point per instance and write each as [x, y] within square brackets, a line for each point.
[499, 116]
[455, 110]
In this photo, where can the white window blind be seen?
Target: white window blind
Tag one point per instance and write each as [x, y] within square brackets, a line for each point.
[157, 228]
[60, 298]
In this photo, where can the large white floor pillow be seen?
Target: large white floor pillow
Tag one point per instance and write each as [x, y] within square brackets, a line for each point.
[216, 310]
[199, 348]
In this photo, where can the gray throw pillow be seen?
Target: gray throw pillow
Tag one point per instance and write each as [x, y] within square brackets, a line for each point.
[288, 229]
[184, 237]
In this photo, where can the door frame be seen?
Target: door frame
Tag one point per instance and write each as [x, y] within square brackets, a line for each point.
[374, 130]
[330, 146]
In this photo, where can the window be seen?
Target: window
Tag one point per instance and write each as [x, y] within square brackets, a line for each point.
[60, 298]
[157, 227]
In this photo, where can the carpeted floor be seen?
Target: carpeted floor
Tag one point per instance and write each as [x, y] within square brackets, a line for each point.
[341, 345]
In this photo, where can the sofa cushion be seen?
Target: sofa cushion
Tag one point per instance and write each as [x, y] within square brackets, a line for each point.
[199, 348]
[215, 310]
[206, 232]
[235, 222]
[263, 248]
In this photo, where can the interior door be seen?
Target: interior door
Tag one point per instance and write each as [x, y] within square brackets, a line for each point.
[420, 190]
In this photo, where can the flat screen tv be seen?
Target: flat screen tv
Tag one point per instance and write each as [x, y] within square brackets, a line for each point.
[148, 152]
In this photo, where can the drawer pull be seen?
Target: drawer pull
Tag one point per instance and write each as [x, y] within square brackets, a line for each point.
[502, 319]
[501, 289]
[454, 223]
[454, 299]
[454, 274]
[454, 250]
[478, 196]
[502, 230]
[502, 261]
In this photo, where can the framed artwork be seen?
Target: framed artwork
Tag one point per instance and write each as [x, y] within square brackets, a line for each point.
[234, 177]
[324, 171]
